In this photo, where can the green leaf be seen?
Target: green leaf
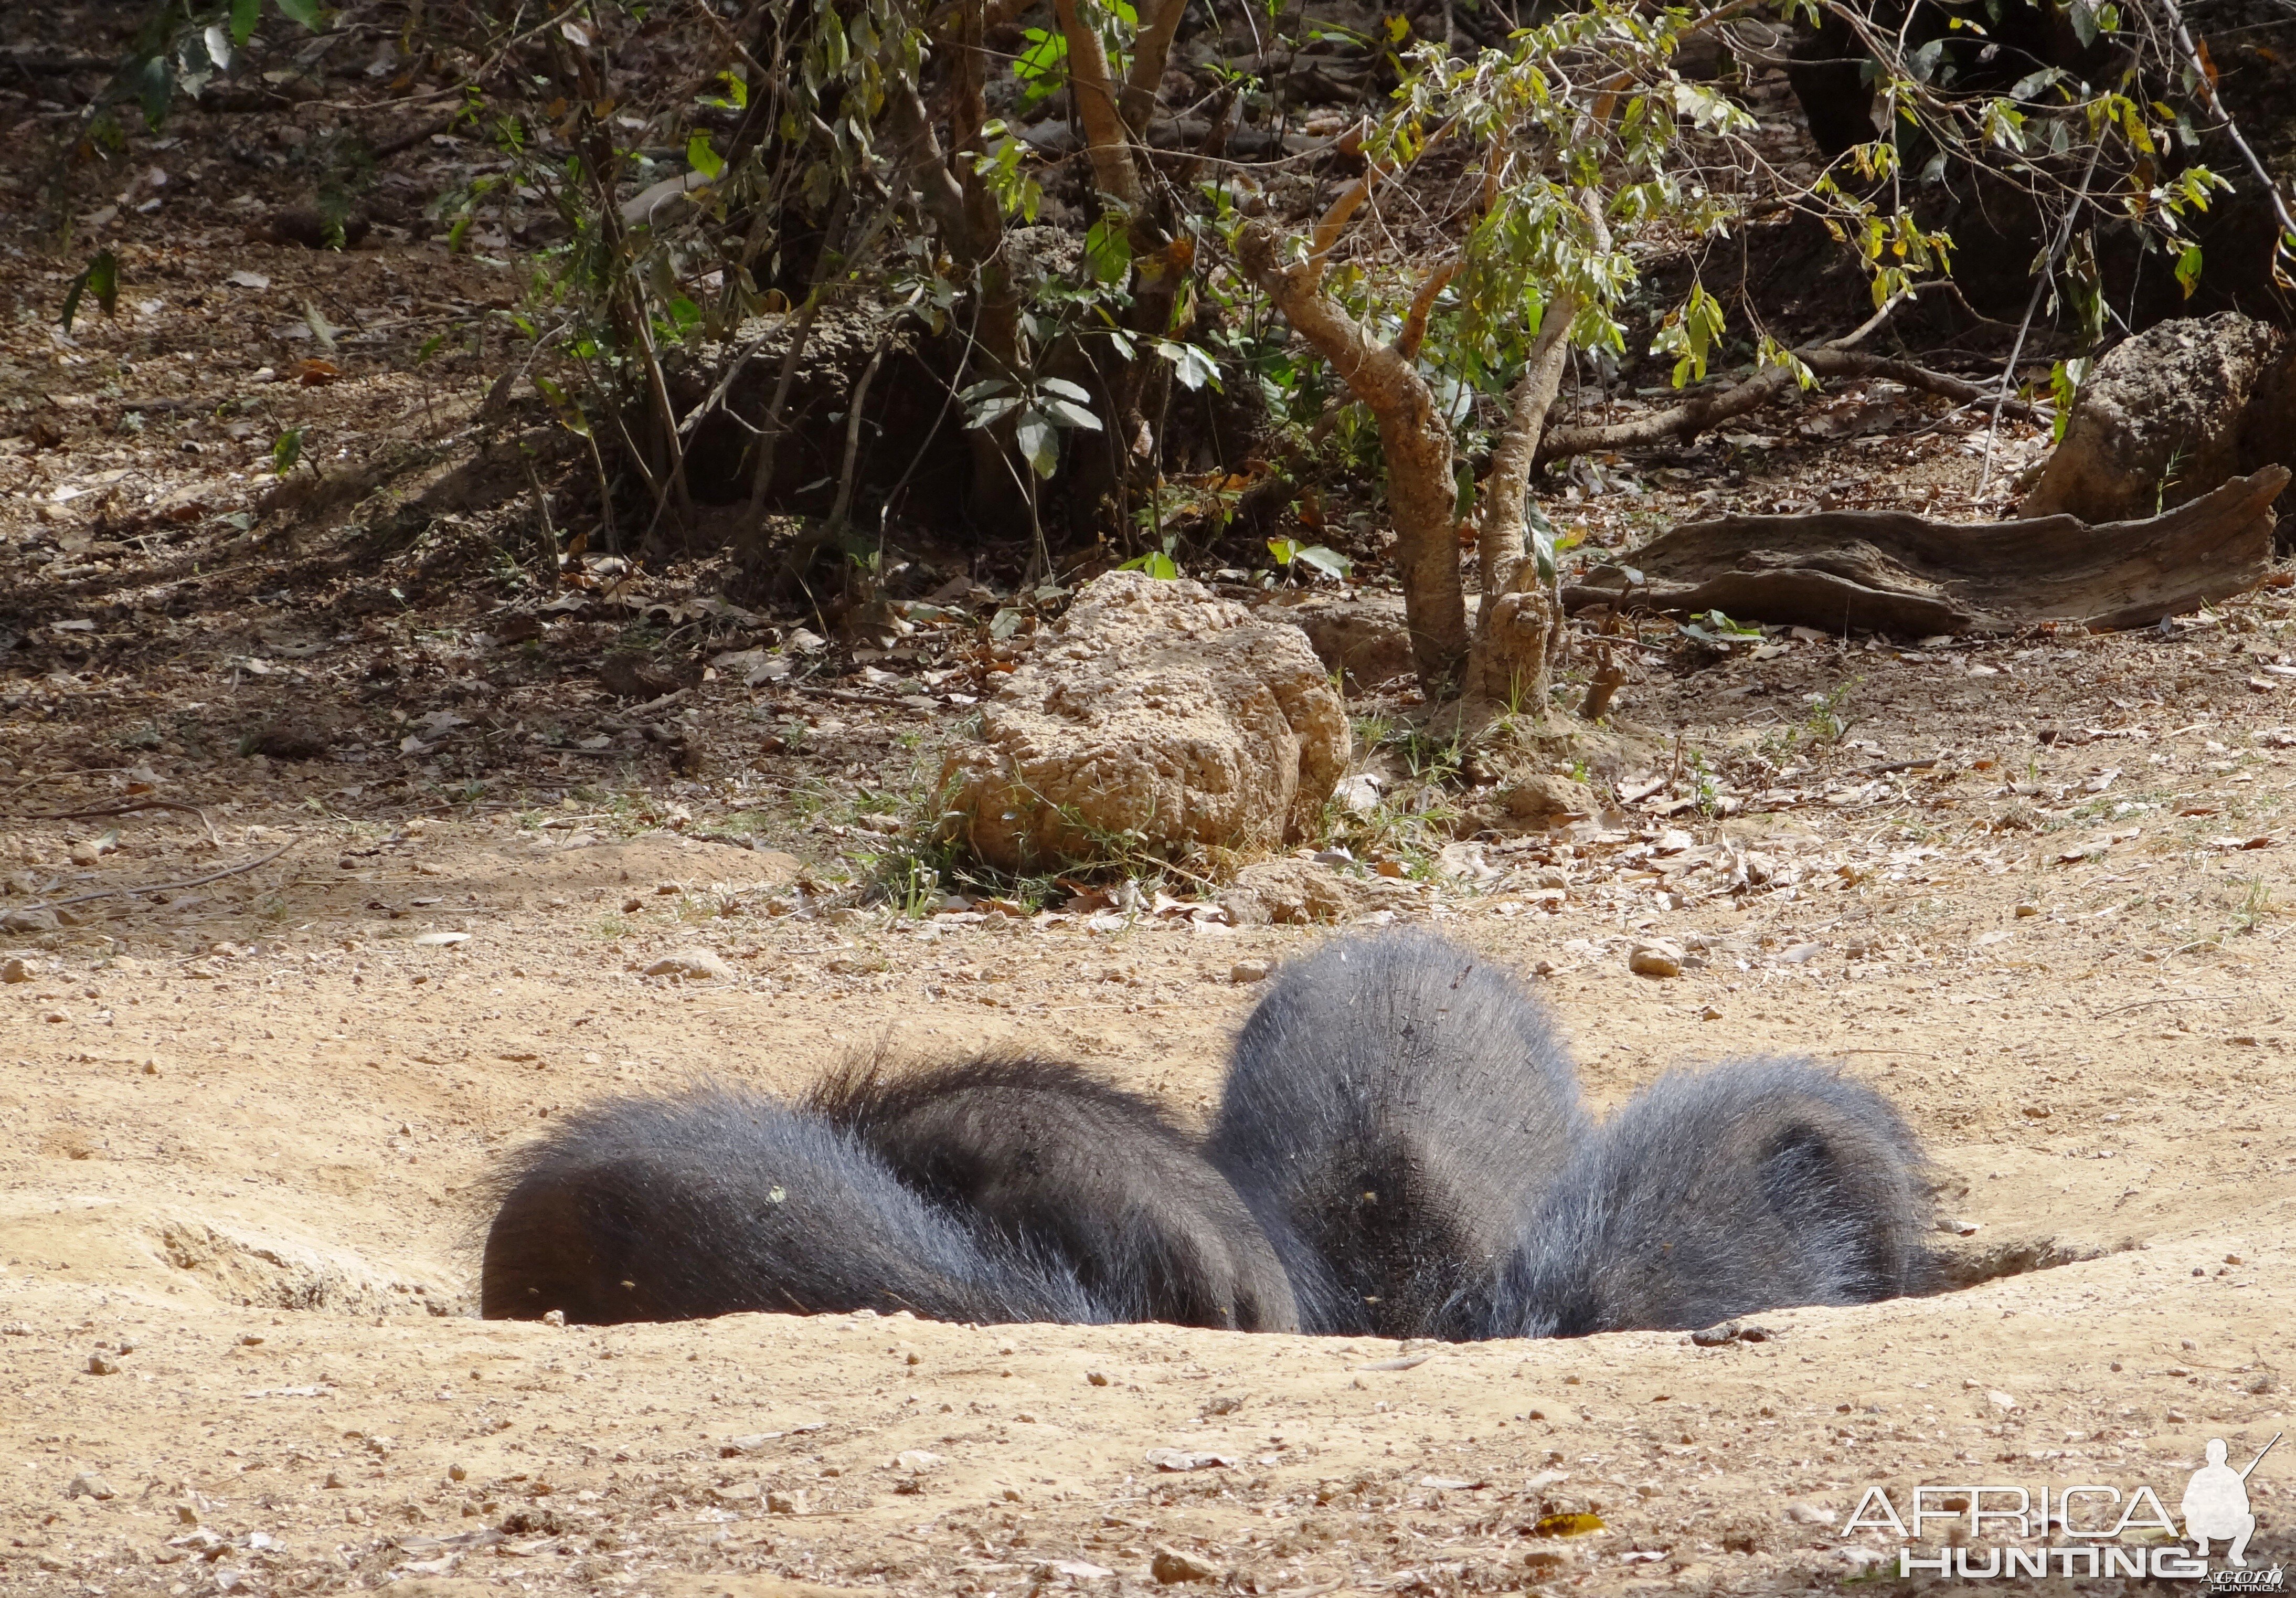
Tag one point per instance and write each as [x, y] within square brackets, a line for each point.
[1191, 366]
[1331, 562]
[1040, 441]
[992, 410]
[701, 158]
[1069, 414]
[1108, 249]
[155, 83]
[1066, 390]
[1285, 551]
[244, 14]
[1542, 542]
[1155, 564]
[286, 449]
[1039, 64]
[2188, 269]
[100, 277]
[306, 11]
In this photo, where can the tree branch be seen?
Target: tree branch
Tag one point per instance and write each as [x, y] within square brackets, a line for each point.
[1354, 354]
[1412, 432]
[1152, 46]
[1414, 321]
[1689, 419]
[1498, 538]
[2206, 82]
[1335, 220]
[1091, 85]
[918, 153]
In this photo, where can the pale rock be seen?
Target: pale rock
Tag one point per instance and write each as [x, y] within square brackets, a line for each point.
[1656, 958]
[1158, 713]
[1538, 796]
[1075, 1570]
[1172, 1566]
[2170, 414]
[693, 965]
[1288, 892]
[1364, 636]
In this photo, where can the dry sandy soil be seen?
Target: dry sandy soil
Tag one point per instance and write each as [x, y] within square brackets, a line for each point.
[241, 1120]
[241, 1130]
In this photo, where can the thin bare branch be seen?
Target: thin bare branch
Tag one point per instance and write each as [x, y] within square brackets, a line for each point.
[1335, 220]
[2207, 82]
[1414, 321]
[169, 887]
[1694, 417]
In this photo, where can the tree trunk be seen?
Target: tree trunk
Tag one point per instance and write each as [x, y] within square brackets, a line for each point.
[1420, 496]
[1519, 624]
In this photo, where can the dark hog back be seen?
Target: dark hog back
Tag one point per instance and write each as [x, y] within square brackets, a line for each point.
[1078, 1171]
[1753, 1185]
[718, 1201]
[1392, 1106]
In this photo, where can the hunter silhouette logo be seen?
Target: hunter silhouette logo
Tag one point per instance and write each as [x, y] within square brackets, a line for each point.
[2089, 1523]
[2215, 1504]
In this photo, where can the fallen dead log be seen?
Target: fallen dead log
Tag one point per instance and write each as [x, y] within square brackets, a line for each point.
[1893, 573]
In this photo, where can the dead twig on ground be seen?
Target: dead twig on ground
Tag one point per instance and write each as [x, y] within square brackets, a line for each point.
[33, 782]
[169, 888]
[128, 807]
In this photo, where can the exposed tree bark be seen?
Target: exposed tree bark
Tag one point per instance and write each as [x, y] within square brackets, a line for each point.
[1114, 120]
[1519, 623]
[1092, 84]
[1420, 496]
[1152, 46]
[1905, 575]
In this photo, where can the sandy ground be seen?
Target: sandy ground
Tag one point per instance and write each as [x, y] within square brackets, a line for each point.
[241, 1121]
[238, 1136]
